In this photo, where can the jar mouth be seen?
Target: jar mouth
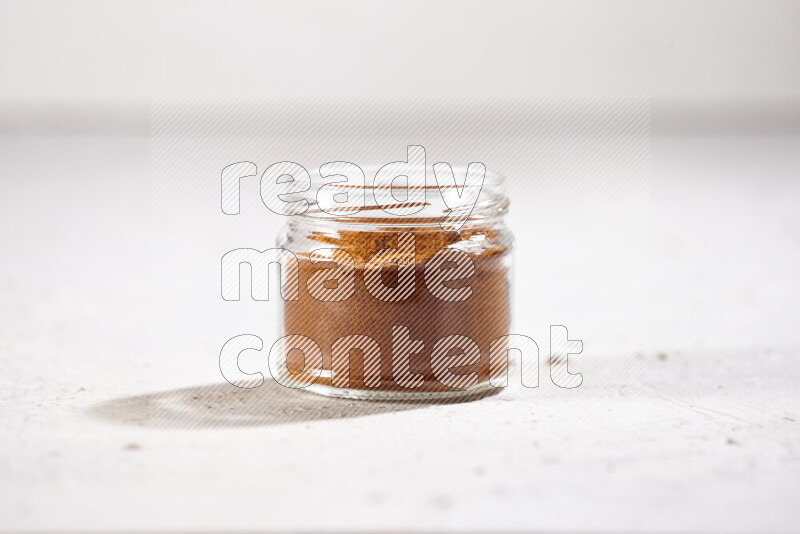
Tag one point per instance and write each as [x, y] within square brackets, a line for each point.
[427, 207]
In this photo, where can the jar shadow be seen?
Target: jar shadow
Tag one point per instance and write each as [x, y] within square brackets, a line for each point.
[223, 405]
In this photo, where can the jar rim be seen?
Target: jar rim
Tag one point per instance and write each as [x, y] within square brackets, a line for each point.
[491, 200]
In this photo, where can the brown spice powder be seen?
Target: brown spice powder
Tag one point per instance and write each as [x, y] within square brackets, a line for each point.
[483, 317]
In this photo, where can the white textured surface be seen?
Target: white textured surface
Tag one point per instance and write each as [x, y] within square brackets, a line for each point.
[698, 432]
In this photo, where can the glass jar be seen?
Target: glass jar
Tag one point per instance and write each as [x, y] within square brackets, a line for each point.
[394, 307]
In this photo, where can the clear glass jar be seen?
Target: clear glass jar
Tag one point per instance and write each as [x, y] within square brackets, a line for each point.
[408, 310]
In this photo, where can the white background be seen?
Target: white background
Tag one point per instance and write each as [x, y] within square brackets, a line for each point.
[695, 431]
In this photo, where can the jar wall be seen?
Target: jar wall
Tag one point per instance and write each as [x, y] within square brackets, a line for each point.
[482, 317]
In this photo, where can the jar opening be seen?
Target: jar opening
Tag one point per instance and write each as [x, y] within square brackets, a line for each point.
[398, 202]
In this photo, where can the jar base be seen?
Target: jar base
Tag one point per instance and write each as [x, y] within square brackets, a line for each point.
[476, 392]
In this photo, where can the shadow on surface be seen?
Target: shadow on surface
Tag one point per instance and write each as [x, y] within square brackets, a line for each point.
[223, 405]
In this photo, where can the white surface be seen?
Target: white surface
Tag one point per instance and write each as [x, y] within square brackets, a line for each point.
[100, 430]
